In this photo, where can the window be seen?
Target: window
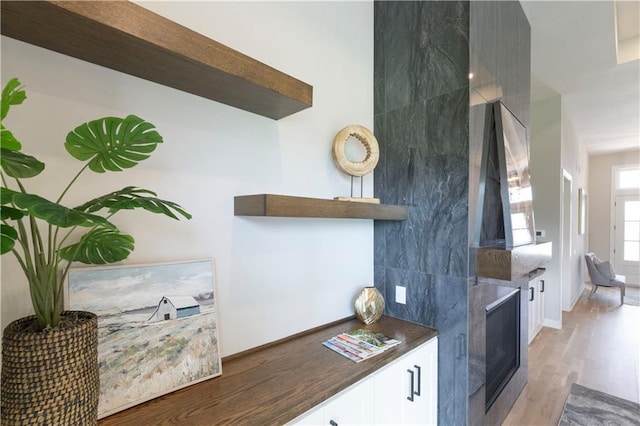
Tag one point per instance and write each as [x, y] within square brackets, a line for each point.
[632, 231]
[625, 235]
[627, 178]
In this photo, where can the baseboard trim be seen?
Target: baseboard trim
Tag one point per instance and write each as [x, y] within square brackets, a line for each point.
[552, 323]
[573, 304]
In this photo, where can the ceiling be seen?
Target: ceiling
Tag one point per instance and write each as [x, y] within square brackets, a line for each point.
[573, 54]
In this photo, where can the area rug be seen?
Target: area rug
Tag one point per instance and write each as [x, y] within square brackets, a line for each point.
[588, 407]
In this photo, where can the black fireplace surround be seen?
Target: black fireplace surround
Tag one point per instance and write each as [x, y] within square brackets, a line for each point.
[498, 350]
[503, 345]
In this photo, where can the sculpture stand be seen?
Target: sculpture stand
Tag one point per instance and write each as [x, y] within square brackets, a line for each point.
[359, 199]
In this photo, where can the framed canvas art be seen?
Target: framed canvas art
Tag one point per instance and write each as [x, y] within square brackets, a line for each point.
[582, 211]
[157, 328]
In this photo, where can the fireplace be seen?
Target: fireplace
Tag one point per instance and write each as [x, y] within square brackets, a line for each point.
[498, 350]
[504, 256]
[502, 345]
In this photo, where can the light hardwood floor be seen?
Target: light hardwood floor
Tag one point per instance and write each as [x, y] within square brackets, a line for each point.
[597, 347]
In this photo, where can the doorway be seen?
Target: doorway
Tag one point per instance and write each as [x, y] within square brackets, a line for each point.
[626, 252]
[625, 216]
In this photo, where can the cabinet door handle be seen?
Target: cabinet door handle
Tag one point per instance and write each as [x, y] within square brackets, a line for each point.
[541, 286]
[333, 423]
[531, 294]
[417, 367]
[411, 392]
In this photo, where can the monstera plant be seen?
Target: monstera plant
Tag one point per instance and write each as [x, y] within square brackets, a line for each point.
[44, 235]
[50, 371]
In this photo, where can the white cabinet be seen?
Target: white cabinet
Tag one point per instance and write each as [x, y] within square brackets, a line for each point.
[403, 392]
[313, 417]
[536, 306]
[350, 407]
[406, 392]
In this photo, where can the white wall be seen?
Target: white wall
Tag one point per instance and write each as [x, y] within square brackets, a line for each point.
[275, 276]
[575, 161]
[555, 149]
[546, 179]
[599, 208]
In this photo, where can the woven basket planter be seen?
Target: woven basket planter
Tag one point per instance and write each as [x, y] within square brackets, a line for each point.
[51, 377]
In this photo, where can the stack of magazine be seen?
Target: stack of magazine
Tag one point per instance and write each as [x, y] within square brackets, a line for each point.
[358, 345]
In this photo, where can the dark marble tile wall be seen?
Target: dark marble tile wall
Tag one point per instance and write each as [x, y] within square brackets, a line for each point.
[500, 56]
[514, 57]
[421, 122]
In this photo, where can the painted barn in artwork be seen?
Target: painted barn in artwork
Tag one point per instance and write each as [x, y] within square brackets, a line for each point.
[172, 307]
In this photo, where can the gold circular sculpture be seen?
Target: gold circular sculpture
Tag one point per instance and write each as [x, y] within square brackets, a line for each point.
[369, 305]
[370, 143]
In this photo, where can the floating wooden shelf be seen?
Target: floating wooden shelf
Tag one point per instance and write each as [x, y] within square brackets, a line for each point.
[129, 38]
[288, 206]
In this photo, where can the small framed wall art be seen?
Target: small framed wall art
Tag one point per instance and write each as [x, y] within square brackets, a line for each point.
[582, 211]
[157, 328]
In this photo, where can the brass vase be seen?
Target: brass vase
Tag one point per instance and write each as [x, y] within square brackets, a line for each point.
[369, 305]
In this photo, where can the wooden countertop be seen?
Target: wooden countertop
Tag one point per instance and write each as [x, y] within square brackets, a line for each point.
[275, 383]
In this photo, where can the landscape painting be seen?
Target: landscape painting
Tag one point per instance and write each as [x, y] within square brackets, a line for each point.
[157, 328]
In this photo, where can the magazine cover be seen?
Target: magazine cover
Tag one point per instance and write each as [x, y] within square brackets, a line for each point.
[358, 345]
[376, 339]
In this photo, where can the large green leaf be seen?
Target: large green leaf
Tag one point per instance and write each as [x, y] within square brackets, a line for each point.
[112, 143]
[8, 237]
[8, 141]
[56, 214]
[19, 165]
[11, 213]
[99, 246]
[6, 195]
[7, 211]
[130, 198]
[12, 94]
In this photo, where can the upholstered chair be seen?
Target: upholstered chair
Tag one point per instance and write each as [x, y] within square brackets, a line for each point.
[603, 275]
